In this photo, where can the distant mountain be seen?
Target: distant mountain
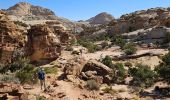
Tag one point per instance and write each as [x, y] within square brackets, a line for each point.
[102, 18]
[31, 12]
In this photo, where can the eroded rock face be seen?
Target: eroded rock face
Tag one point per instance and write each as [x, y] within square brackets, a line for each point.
[42, 43]
[31, 12]
[11, 38]
[141, 20]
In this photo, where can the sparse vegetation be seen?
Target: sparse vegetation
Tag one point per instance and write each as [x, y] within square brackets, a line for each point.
[9, 78]
[92, 85]
[89, 45]
[163, 69]
[51, 70]
[129, 48]
[107, 61]
[142, 75]
[118, 40]
[118, 73]
[27, 74]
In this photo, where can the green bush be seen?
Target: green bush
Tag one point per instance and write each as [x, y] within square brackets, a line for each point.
[90, 46]
[142, 75]
[163, 69]
[15, 65]
[51, 70]
[129, 48]
[118, 73]
[92, 85]
[107, 61]
[118, 40]
[9, 78]
[28, 74]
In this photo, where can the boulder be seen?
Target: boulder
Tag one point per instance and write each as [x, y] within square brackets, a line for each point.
[74, 66]
[93, 65]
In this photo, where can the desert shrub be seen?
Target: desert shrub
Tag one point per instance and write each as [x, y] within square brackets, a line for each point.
[118, 40]
[118, 73]
[107, 61]
[27, 74]
[142, 75]
[128, 64]
[15, 65]
[51, 70]
[89, 45]
[163, 69]
[129, 48]
[92, 85]
[9, 78]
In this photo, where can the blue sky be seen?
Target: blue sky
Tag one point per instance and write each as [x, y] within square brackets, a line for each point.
[85, 9]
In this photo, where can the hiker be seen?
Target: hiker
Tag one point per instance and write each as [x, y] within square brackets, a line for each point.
[41, 76]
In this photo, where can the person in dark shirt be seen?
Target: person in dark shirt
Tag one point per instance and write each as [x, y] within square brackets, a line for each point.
[41, 76]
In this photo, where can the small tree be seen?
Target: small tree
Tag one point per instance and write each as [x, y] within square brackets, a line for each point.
[107, 61]
[129, 48]
[142, 75]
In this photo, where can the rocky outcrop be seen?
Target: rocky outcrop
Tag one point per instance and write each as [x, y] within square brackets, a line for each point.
[141, 20]
[94, 70]
[91, 70]
[102, 18]
[151, 35]
[74, 67]
[31, 12]
[9, 91]
[42, 43]
[11, 38]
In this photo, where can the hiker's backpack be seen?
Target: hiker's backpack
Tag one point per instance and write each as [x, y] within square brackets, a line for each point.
[41, 75]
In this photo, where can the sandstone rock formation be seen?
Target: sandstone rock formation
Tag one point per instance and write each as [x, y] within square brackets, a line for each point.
[142, 19]
[30, 12]
[9, 91]
[42, 43]
[11, 38]
[102, 18]
[87, 70]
